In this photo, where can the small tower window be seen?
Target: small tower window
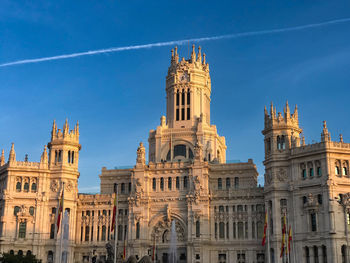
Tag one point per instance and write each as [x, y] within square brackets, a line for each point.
[72, 157]
[188, 113]
[283, 142]
[345, 171]
[278, 143]
[60, 156]
[18, 186]
[185, 181]
[177, 114]
[303, 173]
[33, 187]
[26, 187]
[177, 98]
[162, 183]
[154, 184]
[183, 114]
[169, 183]
[311, 172]
[183, 97]
[188, 97]
[177, 182]
[69, 157]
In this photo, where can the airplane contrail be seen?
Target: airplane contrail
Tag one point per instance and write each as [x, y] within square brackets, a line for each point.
[176, 42]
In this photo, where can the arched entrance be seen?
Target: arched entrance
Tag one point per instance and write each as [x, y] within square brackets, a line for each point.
[163, 241]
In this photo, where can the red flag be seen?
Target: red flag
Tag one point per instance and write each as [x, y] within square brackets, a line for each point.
[284, 230]
[265, 228]
[124, 251]
[59, 211]
[114, 212]
[289, 238]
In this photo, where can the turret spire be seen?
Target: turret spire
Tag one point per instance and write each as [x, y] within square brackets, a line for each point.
[325, 135]
[193, 54]
[199, 56]
[2, 158]
[12, 155]
[44, 158]
[176, 55]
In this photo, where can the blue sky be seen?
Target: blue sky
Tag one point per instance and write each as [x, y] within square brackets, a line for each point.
[119, 97]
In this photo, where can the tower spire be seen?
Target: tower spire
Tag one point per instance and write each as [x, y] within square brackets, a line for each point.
[325, 135]
[66, 127]
[44, 158]
[176, 59]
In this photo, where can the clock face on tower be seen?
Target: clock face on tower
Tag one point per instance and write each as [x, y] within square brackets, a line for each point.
[184, 77]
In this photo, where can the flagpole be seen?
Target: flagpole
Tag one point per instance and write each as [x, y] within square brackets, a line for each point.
[115, 226]
[61, 233]
[268, 234]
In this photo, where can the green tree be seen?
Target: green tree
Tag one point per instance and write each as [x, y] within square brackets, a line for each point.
[8, 258]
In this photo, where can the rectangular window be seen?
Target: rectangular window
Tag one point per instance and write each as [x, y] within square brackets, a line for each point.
[319, 171]
[129, 188]
[234, 230]
[185, 182]
[98, 233]
[253, 229]
[81, 235]
[236, 182]
[240, 230]
[219, 183]
[92, 233]
[177, 99]
[216, 230]
[120, 232]
[177, 182]
[313, 222]
[154, 184]
[188, 97]
[246, 230]
[162, 183]
[188, 113]
[183, 98]
[228, 183]
[87, 232]
[311, 172]
[227, 231]
[303, 173]
[198, 228]
[182, 114]
[177, 114]
[52, 231]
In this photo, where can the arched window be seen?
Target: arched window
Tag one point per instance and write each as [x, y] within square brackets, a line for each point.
[169, 183]
[154, 184]
[20, 253]
[18, 186]
[198, 228]
[228, 183]
[304, 200]
[188, 97]
[50, 256]
[221, 230]
[236, 182]
[283, 142]
[221, 209]
[52, 231]
[343, 254]
[69, 157]
[162, 183]
[60, 156]
[183, 97]
[103, 237]
[138, 230]
[345, 171]
[337, 170]
[324, 253]
[12, 252]
[219, 183]
[33, 187]
[31, 210]
[56, 156]
[26, 187]
[278, 143]
[180, 150]
[177, 182]
[16, 210]
[185, 182]
[29, 253]
[307, 254]
[72, 157]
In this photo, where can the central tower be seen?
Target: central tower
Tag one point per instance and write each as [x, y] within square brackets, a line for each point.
[187, 121]
[188, 89]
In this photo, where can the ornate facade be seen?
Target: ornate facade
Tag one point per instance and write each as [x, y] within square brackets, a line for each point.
[217, 207]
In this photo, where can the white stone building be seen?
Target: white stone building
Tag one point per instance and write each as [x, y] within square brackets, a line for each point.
[219, 210]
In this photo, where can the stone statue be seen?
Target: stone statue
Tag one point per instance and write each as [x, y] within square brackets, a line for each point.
[110, 252]
[141, 154]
